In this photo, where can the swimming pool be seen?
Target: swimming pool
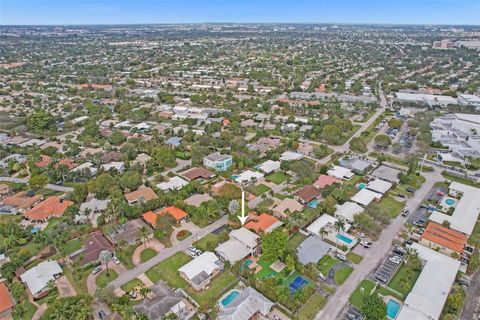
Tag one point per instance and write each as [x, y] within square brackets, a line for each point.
[361, 186]
[313, 203]
[392, 308]
[343, 238]
[247, 263]
[449, 201]
[229, 298]
[35, 229]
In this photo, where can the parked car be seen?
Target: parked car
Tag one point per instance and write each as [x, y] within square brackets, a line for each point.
[405, 213]
[321, 276]
[341, 257]
[399, 251]
[133, 294]
[361, 234]
[191, 248]
[419, 222]
[102, 314]
[331, 273]
[410, 189]
[97, 269]
[115, 260]
[381, 278]
[395, 260]
[192, 254]
[366, 244]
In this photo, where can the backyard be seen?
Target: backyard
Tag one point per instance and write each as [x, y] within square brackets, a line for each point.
[277, 177]
[217, 286]
[167, 271]
[312, 307]
[403, 282]
[258, 190]
[365, 288]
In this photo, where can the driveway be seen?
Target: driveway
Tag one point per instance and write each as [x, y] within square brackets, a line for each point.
[65, 288]
[152, 244]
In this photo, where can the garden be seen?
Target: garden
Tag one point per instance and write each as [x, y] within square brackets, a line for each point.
[277, 177]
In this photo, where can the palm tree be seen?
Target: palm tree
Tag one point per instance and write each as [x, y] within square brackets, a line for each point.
[323, 232]
[144, 291]
[144, 232]
[105, 257]
[339, 225]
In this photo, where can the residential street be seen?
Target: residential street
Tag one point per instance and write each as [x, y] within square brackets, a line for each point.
[166, 253]
[48, 186]
[377, 252]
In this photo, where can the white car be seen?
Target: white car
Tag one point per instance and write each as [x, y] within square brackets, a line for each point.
[341, 257]
[361, 234]
[97, 270]
[395, 260]
[366, 244]
[115, 260]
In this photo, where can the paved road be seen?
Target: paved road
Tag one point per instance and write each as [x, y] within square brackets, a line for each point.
[167, 253]
[48, 186]
[377, 252]
[472, 305]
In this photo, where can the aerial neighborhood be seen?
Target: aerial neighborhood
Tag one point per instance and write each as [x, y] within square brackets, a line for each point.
[236, 172]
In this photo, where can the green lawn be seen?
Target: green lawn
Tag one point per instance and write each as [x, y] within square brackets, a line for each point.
[463, 180]
[312, 307]
[147, 254]
[399, 278]
[102, 278]
[355, 258]
[217, 286]
[326, 263]
[183, 234]
[29, 310]
[167, 270]
[295, 240]
[393, 206]
[208, 242]
[277, 177]
[266, 271]
[130, 285]
[258, 190]
[73, 245]
[125, 256]
[79, 281]
[342, 274]
[356, 298]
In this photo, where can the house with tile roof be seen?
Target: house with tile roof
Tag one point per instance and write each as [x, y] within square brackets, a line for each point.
[151, 217]
[51, 207]
[443, 239]
[263, 223]
[142, 194]
[6, 302]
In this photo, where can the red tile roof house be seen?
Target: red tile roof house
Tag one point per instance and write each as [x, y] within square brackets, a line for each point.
[263, 223]
[151, 217]
[324, 181]
[90, 252]
[6, 302]
[307, 194]
[142, 194]
[51, 207]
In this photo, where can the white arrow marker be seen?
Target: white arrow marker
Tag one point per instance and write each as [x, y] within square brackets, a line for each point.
[243, 218]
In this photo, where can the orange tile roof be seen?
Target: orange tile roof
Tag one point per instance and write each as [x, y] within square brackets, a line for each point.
[67, 162]
[51, 207]
[445, 237]
[176, 213]
[21, 200]
[146, 193]
[6, 301]
[324, 181]
[45, 161]
[261, 222]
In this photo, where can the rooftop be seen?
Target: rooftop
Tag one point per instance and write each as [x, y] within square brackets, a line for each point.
[445, 237]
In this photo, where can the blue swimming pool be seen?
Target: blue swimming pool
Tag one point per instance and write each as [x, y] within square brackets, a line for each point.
[228, 299]
[313, 203]
[343, 238]
[247, 263]
[450, 201]
[392, 308]
[35, 229]
[361, 186]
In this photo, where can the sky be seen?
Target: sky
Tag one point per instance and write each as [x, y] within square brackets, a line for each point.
[52, 12]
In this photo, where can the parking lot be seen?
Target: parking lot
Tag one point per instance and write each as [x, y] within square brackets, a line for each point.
[421, 213]
[389, 266]
[353, 313]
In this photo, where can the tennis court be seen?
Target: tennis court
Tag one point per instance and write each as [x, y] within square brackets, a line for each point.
[297, 284]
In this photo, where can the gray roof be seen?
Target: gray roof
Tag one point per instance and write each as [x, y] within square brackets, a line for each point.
[312, 250]
[386, 173]
[214, 157]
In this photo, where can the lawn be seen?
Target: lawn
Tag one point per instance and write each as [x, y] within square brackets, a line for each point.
[463, 180]
[326, 263]
[147, 254]
[356, 298]
[79, 281]
[102, 278]
[266, 271]
[217, 286]
[295, 240]
[29, 310]
[398, 279]
[393, 206]
[130, 285]
[277, 177]
[342, 274]
[208, 242]
[258, 190]
[167, 270]
[125, 256]
[73, 245]
[312, 307]
[355, 258]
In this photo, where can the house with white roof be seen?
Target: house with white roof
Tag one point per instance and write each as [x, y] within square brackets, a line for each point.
[175, 183]
[86, 167]
[365, 196]
[324, 221]
[466, 211]
[379, 186]
[248, 176]
[269, 166]
[348, 211]
[341, 173]
[249, 304]
[428, 295]
[291, 156]
[37, 278]
[116, 165]
[241, 244]
[201, 270]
